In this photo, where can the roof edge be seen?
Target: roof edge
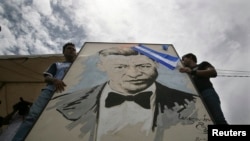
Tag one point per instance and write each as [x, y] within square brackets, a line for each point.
[28, 56]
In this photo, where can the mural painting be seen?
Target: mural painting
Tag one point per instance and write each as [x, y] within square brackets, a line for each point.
[124, 91]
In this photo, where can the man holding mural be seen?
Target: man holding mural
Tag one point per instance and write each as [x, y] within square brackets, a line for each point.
[53, 77]
[201, 74]
[130, 101]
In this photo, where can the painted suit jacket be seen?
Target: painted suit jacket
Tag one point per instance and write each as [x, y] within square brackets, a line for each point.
[81, 107]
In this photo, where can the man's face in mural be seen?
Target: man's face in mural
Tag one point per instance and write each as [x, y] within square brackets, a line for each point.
[129, 74]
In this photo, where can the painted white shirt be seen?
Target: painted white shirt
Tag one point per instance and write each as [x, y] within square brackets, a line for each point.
[128, 114]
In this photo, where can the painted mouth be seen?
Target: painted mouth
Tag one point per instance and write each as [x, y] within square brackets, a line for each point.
[138, 81]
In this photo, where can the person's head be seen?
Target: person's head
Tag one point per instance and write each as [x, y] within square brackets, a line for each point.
[189, 59]
[128, 71]
[69, 51]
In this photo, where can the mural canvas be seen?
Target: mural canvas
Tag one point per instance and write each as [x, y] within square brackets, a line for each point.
[120, 91]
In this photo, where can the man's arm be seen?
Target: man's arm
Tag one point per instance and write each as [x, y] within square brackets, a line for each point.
[59, 84]
[207, 70]
[49, 78]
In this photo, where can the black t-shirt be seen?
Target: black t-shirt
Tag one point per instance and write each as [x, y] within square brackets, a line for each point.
[202, 83]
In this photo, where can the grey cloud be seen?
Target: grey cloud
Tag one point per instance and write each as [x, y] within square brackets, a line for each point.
[27, 25]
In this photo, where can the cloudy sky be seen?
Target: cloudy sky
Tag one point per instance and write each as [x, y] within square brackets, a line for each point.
[216, 31]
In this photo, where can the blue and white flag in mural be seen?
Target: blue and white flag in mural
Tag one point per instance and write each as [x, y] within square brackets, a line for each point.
[164, 59]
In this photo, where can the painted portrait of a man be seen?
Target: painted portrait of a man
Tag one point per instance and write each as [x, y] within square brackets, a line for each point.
[129, 103]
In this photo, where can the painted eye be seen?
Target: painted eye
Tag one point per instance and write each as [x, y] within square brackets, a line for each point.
[120, 68]
[144, 67]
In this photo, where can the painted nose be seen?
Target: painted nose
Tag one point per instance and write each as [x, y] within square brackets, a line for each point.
[133, 72]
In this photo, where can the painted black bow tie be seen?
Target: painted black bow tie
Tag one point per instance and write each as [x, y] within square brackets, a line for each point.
[143, 99]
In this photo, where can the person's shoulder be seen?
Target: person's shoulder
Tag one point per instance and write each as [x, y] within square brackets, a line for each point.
[205, 64]
[53, 64]
[62, 62]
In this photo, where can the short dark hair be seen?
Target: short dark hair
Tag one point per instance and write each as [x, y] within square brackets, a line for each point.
[67, 44]
[191, 56]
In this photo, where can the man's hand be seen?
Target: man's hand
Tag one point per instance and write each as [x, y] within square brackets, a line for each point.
[185, 70]
[59, 85]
